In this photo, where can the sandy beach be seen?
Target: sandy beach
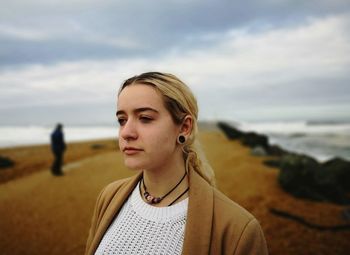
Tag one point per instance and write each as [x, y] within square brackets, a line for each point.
[42, 214]
[31, 159]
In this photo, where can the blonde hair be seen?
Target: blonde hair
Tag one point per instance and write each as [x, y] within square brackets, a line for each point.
[180, 102]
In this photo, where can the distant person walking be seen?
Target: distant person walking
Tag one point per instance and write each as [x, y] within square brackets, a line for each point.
[58, 147]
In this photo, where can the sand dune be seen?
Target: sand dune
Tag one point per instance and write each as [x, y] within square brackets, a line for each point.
[42, 214]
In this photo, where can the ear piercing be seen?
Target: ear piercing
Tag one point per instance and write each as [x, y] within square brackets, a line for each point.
[181, 139]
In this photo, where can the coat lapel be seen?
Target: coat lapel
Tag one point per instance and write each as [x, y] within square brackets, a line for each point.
[199, 216]
[116, 203]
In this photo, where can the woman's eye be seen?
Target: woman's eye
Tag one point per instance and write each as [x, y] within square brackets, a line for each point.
[145, 119]
[121, 121]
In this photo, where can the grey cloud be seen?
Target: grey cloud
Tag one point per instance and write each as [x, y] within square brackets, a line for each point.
[156, 26]
[73, 114]
[308, 93]
[14, 52]
[184, 36]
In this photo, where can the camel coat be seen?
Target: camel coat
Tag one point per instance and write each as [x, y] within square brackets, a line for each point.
[215, 224]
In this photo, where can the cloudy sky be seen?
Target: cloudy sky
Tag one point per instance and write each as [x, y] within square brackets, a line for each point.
[64, 60]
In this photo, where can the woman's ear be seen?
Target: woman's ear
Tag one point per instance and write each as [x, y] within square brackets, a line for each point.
[186, 126]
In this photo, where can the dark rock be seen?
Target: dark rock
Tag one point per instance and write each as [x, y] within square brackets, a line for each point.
[298, 161]
[6, 162]
[346, 214]
[259, 151]
[275, 163]
[339, 169]
[326, 183]
[275, 150]
[304, 177]
[250, 139]
[230, 132]
[297, 174]
[253, 139]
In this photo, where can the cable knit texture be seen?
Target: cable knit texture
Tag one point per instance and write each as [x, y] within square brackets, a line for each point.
[141, 228]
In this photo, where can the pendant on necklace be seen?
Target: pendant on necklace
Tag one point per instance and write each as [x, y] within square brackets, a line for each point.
[151, 199]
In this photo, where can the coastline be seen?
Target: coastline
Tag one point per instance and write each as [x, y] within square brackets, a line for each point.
[32, 158]
[321, 139]
[300, 174]
[39, 209]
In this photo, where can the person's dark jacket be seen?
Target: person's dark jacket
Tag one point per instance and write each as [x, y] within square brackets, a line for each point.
[57, 141]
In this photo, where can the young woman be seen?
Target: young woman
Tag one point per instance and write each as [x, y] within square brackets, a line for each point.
[171, 206]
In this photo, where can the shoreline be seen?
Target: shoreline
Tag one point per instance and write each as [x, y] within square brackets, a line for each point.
[321, 140]
[293, 143]
[19, 152]
[202, 126]
[300, 174]
[29, 159]
[58, 203]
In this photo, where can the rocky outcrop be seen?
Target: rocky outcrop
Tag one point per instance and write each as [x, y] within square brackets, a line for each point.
[304, 177]
[229, 131]
[300, 174]
[251, 139]
[340, 170]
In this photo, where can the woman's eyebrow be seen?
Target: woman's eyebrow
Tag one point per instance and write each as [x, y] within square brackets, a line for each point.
[138, 110]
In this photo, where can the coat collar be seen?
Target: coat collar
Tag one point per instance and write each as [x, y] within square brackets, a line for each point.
[199, 216]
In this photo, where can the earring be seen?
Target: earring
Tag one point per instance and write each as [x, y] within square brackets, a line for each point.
[181, 139]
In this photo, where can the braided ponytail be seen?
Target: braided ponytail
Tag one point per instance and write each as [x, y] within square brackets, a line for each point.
[196, 161]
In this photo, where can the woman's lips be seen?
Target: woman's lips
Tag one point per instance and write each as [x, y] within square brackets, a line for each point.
[131, 150]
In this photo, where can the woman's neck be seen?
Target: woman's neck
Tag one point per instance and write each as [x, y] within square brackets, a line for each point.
[160, 181]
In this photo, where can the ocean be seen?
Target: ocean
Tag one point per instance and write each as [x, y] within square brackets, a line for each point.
[321, 140]
[11, 136]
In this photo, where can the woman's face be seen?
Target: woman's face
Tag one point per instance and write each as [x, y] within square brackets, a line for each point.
[147, 134]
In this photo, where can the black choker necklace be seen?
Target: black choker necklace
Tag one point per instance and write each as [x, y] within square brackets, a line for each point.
[155, 200]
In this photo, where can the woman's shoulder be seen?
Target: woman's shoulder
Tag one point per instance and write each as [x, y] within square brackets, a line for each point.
[238, 229]
[228, 210]
[115, 186]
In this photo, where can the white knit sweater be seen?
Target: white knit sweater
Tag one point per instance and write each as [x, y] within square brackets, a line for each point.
[141, 228]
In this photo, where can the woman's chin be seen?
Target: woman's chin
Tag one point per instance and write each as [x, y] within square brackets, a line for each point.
[133, 165]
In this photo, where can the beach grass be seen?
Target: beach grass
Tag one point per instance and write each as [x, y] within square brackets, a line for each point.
[42, 214]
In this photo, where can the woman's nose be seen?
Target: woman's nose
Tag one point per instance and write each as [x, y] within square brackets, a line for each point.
[128, 130]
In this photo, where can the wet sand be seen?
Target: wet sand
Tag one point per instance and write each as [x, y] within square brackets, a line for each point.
[42, 214]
